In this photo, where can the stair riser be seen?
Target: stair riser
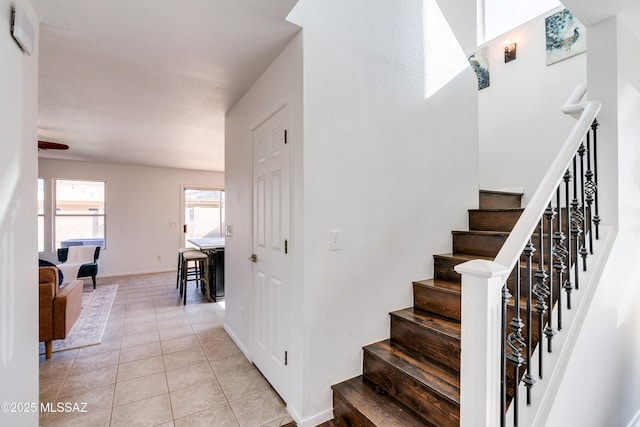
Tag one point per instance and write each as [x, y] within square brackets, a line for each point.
[476, 244]
[347, 415]
[443, 268]
[439, 347]
[493, 220]
[420, 398]
[489, 200]
[482, 245]
[437, 301]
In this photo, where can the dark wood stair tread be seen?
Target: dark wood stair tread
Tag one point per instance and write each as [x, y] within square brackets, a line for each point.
[429, 320]
[438, 296]
[443, 285]
[378, 409]
[443, 380]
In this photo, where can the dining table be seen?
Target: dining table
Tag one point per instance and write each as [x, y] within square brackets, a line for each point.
[214, 248]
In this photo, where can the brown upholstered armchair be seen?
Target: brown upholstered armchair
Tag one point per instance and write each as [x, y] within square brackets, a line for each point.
[59, 308]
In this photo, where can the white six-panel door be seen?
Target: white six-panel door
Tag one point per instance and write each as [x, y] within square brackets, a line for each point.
[271, 241]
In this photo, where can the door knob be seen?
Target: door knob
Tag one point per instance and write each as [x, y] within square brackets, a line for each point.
[253, 258]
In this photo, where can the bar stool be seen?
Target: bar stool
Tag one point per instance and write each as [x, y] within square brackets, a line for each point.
[202, 273]
[180, 262]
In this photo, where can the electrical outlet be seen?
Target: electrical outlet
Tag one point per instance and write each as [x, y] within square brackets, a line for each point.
[228, 231]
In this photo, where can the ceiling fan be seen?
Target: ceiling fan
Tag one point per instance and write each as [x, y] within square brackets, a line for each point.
[44, 145]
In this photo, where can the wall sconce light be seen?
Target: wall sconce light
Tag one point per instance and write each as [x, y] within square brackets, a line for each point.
[509, 51]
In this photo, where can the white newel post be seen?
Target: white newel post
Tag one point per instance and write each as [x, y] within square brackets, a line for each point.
[480, 342]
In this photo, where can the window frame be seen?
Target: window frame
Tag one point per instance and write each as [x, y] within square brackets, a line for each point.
[42, 230]
[56, 215]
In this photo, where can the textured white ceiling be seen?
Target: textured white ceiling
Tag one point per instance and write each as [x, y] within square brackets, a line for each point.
[149, 82]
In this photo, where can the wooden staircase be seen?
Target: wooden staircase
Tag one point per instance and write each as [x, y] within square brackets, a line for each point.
[413, 378]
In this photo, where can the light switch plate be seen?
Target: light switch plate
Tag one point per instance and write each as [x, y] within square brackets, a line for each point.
[335, 240]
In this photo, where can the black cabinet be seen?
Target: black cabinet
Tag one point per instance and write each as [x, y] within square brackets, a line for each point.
[217, 281]
[216, 273]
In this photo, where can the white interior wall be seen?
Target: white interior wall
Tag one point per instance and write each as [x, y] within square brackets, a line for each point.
[600, 386]
[522, 126]
[281, 81]
[143, 211]
[395, 172]
[18, 210]
[502, 16]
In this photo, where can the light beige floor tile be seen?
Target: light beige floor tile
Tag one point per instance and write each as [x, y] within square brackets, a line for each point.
[103, 347]
[229, 364]
[179, 344]
[205, 316]
[81, 381]
[141, 303]
[83, 403]
[220, 349]
[195, 398]
[140, 388]
[140, 368]
[177, 332]
[184, 358]
[55, 371]
[139, 339]
[243, 383]
[139, 328]
[132, 317]
[144, 351]
[149, 412]
[170, 314]
[173, 322]
[219, 415]
[189, 375]
[100, 360]
[258, 409]
[203, 327]
[91, 419]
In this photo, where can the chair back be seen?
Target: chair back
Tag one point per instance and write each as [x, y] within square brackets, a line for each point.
[79, 254]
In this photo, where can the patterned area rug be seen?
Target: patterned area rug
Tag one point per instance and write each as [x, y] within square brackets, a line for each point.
[89, 328]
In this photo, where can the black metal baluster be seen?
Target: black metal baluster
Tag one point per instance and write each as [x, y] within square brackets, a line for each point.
[559, 256]
[596, 218]
[516, 342]
[549, 332]
[590, 191]
[576, 224]
[528, 380]
[567, 219]
[503, 367]
[540, 290]
[583, 236]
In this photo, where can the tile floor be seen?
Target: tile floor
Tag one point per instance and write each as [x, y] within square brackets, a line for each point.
[159, 364]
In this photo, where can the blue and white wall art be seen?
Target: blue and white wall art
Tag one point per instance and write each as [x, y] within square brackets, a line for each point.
[480, 63]
[566, 36]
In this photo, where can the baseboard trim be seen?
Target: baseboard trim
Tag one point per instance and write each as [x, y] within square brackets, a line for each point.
[237, 341]
[314, 420]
